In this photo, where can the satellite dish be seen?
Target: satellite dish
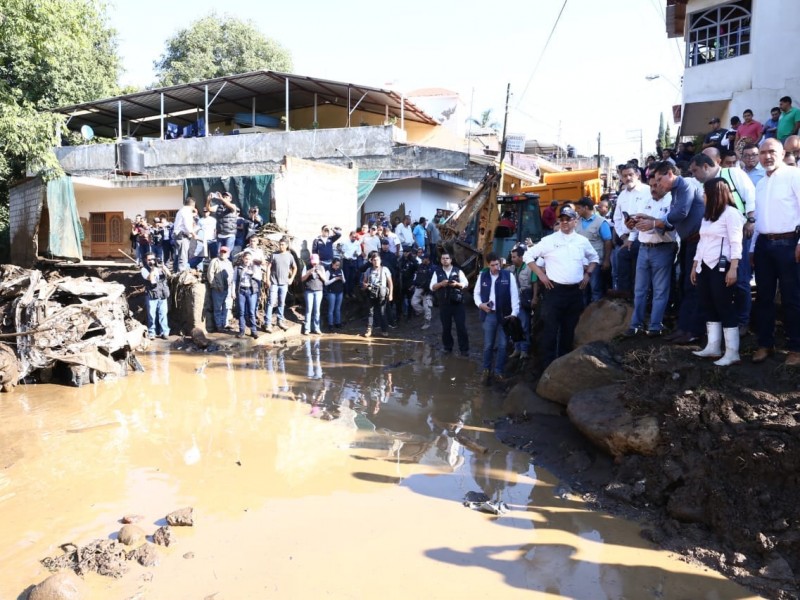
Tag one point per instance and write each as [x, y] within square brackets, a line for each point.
[87, 132]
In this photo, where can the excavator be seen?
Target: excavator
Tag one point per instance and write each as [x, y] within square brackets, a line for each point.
[483, 221]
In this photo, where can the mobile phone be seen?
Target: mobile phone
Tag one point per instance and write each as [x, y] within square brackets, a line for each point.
[626, 215]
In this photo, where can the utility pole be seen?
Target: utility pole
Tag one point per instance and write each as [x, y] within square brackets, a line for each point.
[505, 124]
[598, 149]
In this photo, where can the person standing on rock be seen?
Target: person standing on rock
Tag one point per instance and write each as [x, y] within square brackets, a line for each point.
[497, 297]
[155, 275]
[281, 270]
[448, 282]
[564, 278]
[714, 271]
[220, 278]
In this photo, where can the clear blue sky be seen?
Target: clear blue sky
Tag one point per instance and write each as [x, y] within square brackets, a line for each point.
[589, 79]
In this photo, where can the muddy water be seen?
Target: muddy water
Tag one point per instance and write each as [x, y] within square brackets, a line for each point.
[332, 468]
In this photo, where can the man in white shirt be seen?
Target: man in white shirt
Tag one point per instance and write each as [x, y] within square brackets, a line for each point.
[404, 233]
[395, 247]
[350, 250]
[654, 263]
[208, 226]
[497, 297]
[633, 194]
[184, 232]
[448, 282]
[775, 252]
[564, 279]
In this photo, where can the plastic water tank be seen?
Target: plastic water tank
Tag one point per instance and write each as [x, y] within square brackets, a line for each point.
[130, 158]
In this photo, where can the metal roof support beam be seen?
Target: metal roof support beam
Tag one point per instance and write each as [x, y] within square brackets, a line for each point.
[205, 121]
[359, 102]
[316, 122]
[349, 112]
[403, 111]
[287, 104]
[254, 111]
[119, 120]
[162, 116]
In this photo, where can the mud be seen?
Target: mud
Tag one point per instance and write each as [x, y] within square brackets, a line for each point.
[334, 467]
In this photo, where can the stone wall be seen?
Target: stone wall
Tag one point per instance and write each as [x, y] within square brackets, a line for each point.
[25, 211]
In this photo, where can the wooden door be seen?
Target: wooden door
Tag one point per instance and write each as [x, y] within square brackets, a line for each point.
[108, 234]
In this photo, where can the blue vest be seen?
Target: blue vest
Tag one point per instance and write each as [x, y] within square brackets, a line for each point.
[502, 293]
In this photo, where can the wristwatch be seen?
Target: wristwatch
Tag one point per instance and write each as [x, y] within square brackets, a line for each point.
[751, 219]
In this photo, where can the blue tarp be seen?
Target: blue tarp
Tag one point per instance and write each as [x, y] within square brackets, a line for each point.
[66, 233]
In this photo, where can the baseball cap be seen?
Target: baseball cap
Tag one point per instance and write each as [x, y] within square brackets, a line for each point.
[223, 248]
[566, 211]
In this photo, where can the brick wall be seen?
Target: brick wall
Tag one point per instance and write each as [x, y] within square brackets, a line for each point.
[25, 212]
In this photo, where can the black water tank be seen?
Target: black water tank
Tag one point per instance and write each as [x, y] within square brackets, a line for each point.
[130, 158]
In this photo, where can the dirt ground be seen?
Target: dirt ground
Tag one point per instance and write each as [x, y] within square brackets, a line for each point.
[722, 487]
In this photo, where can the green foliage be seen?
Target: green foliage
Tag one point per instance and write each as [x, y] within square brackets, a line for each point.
[217, 46]
[668, 141]
[661, 131]
[485, 121]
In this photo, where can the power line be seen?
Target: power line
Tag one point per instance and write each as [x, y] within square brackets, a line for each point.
[541, 56]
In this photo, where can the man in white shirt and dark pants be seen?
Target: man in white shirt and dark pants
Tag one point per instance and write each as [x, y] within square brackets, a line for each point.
[564, 278]
[184, 232]
[776, 253]
[633, 194]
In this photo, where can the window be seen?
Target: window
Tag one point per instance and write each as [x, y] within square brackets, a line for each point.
[719, 33]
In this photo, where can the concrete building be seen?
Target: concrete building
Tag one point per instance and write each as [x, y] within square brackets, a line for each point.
[306, 151]
[739, 54]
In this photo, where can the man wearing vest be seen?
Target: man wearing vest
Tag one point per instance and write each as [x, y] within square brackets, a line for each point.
[705, 167]
[155, 276]
[448, 283]
[497, 297]
[597, 230]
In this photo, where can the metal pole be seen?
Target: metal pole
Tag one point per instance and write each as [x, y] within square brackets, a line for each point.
[162, 115]
[505, 123]
[254, 112]
[403, 111]
[205, 114]
[316, 123]
[598, 149]
[287, 103]
[119, 120]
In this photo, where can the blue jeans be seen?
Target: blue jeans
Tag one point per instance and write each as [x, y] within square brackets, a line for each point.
[594, 291]
[156, 316]
[212, 246]
[775, 265]
[277, 296]
[654, 266]
[744, 293]
[493, 331]
[525, 321]
[334, 308]
[218, 300]
[313, 304]
[228, 241]
[141, 251]
[247, 301]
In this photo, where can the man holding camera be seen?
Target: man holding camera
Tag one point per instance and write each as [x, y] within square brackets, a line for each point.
[448, 283]
[227, 215]
[155, 275]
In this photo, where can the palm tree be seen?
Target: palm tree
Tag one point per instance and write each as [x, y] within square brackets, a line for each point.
[485, 121]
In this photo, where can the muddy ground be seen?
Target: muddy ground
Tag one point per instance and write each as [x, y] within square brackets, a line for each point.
[722, 487]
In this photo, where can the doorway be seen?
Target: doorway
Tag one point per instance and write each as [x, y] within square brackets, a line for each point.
[107, 231]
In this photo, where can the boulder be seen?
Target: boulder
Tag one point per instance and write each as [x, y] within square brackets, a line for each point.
[130, 535]
[163, 536]
[182, 517]
[146, 555]
[523, 400]
[61, 586]
[603, 321]
[590, 366]
[600, 415]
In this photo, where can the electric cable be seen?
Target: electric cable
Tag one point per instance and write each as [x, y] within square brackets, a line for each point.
[541, 56]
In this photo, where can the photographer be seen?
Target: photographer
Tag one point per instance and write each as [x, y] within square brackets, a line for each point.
[157, 239]
[449, 282]
[377, 282]
[155, 275]
[227, 215]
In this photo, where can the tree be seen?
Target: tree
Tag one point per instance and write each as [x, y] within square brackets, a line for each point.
[52, 53]
[218, 46]
[668, 138]
[485, 121]
[660, 138]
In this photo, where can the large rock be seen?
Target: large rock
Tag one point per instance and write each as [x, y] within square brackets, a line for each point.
[183, 517]
[523, 400]
[603, 321]
[61, 586]
[130, 535]
[587, 367]
[600, 415]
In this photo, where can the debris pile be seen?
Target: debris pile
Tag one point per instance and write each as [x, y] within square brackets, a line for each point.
[81, 324]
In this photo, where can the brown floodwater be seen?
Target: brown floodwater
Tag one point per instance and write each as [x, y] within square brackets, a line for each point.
[329, 468]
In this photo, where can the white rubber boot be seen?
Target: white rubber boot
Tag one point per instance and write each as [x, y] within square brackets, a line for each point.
[731, 347]
[714, 345]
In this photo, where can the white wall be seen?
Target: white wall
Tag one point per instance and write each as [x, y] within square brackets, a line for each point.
[421, 198]
[130, 201]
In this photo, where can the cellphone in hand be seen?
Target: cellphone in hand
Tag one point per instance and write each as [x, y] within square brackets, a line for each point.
[626, 215]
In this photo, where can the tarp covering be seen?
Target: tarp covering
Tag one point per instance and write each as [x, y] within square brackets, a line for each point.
[66, 232]
[253, 190]
[366, 183]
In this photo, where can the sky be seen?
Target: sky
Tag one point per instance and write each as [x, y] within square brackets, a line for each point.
[594, 75]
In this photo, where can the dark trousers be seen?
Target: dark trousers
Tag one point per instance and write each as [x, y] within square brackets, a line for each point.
[689, 318]
[716, 301]
[247, 301]
[626, 267]
[350, 268]
[377, 307]
[775, 265]
[744, 292]
[449, 313]
[561, 309]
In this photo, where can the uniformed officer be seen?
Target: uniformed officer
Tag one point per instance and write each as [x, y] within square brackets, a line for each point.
[448, 282]
[564, 277]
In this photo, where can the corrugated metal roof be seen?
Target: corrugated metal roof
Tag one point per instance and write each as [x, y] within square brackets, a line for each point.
[234, 94]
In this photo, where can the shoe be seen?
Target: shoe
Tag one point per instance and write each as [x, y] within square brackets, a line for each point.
[464, 353]
[523, 355]
[316, 332]
[268, 329]
[486, 377]
[792, 359]
[282, 325]
[713, 347]
[447, 350]
[632, 332]
[651, 333]
[150, 336]
[240, 334]
[305, 333]
[731, 355]
[253, 334]
[392, 326]
[761, 354]
[514, 354]
[385, 333]
[675, 334]
[368, 333]
[684, 338]
[164, 336]
[744, 330]
[426, 325]
[498, 379]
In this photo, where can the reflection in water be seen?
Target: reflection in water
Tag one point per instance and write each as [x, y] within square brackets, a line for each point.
[288, 452]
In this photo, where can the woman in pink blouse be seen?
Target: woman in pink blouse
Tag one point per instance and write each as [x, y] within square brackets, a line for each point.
[714, 271]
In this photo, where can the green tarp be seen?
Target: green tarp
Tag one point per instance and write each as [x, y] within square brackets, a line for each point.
[66, 232]
[366, 183]
[253, 190]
